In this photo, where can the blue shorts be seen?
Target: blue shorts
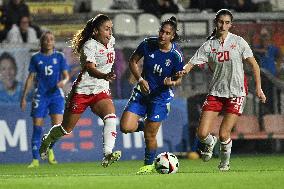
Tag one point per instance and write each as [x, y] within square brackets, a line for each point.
[155, 111]
[41, 106]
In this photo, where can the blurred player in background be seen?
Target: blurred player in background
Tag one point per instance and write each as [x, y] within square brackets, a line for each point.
[49, 70]
[152, 95]
[224, 52]
[95, 44]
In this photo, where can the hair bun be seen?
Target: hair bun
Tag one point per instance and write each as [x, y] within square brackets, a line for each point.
[173, 18]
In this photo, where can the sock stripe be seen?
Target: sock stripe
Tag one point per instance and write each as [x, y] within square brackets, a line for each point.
[108, 116]
[226, 142]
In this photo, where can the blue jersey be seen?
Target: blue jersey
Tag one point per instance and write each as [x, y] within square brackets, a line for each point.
[158, 65]
[48, 69]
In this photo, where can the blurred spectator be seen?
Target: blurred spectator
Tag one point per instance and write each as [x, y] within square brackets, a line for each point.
[208, 4]
[10, 88]
[268, 55]
[3, 22]
[263, 5]
[159, 7]
[82, 6]
[15, 10]
[22, 32]
[244, 6]
[124, 4]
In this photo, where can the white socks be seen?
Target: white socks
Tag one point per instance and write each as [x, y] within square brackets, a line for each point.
[208, 140]
[109, 133]
[225, 151]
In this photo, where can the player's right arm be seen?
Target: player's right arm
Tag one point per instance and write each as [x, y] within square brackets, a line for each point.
[90, 67]
[27, 88]
[89, 51]
[133, 65]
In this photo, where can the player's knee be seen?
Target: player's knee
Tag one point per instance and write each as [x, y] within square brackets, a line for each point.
[202, 134]
[224, 136]
[124, 129]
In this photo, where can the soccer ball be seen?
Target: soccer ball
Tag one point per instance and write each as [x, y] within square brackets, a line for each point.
[166, 163]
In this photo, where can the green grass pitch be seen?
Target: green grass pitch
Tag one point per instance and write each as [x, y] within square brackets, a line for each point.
[257, 172]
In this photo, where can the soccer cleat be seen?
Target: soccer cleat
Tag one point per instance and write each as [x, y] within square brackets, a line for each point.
[51, 157]
[206, 155]
[224, 167]
[34, 164]
[146, 169]
[111, 158]
[44, 148]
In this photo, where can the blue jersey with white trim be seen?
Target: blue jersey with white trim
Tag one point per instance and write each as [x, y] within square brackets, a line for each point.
[158, 65]
[48, 69]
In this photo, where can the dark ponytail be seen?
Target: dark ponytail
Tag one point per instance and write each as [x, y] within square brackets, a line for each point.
[173, 22]
[212, 34]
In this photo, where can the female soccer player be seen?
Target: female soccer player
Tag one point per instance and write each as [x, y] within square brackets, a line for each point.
[91, 89]
[47, 67]
[224, 52]
[153, 93]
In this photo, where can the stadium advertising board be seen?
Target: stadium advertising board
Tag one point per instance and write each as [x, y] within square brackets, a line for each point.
[85, 142]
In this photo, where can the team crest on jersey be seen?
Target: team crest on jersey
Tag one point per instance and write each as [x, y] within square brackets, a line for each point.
[168, 62]
[233, 46]
[101, 51]
[54, 60]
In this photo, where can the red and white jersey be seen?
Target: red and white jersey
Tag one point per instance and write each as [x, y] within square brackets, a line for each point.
[103, 57]
[226, 62]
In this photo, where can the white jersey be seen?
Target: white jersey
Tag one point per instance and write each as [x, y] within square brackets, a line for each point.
[103, 57]
[226, 62]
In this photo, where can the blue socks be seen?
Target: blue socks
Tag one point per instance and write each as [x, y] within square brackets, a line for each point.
[36, 140]
[149, 156]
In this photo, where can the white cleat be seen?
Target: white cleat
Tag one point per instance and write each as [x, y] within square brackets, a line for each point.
[111, 158]
[206, 155]
[224, 167]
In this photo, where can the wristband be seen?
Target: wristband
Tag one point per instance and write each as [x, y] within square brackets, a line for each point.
[140, 79]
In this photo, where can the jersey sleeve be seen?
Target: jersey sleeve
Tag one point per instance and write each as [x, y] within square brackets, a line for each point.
[141, 48]
[245, 49]
[64, 65]
[200, 56]
[179, 61]
[89, 51]
[32, 66]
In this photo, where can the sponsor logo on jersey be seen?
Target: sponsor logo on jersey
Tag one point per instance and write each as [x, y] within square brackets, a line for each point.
[152, 56]
[40, 62]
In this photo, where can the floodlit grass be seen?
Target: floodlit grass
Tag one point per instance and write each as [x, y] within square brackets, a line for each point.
[258, 172]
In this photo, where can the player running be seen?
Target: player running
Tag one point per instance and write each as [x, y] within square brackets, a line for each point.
[224, 52]
[47, 68]
[95, 44]
[152, 96]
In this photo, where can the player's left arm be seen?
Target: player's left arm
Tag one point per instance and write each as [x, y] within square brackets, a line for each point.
[65, 79]
[256, 73]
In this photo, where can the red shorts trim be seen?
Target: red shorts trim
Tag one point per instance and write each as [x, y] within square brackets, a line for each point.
[78, 103]
[234, 105]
